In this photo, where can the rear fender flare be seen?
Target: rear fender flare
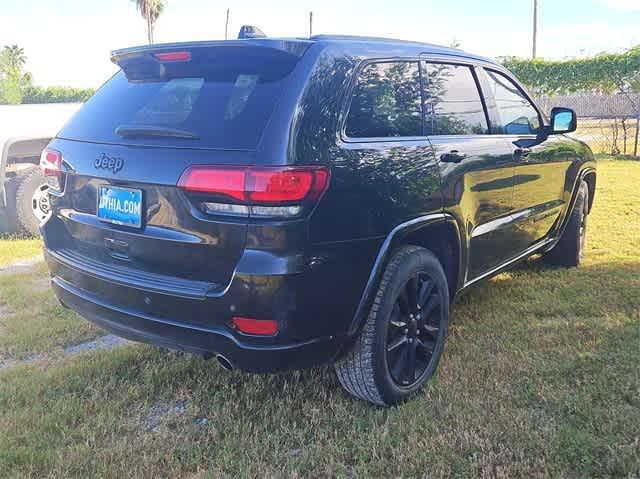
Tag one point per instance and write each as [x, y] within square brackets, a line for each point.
[393, 239]
[567, 213]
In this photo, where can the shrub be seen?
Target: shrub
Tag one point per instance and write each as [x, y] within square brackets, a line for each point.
[56, 94]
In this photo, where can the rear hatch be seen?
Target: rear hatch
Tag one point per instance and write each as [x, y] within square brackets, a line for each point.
[123, 154]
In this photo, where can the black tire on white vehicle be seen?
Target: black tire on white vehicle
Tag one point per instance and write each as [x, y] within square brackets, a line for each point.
[28, 201]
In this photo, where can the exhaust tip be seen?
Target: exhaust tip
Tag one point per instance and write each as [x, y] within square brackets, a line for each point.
[224, 362]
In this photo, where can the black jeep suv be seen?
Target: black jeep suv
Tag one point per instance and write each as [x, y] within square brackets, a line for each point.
[281, 203]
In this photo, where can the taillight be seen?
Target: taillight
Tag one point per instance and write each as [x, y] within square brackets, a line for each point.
[51, 166]
[265, 186]
[225, 182]
[256, 191]
[259, 327]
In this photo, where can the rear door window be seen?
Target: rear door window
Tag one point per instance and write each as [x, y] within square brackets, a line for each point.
[452, 99]
[386, 102]
[223, 97]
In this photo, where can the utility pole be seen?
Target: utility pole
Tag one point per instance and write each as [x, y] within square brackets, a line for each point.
[310, 24]
[535, 29]
[226, 26]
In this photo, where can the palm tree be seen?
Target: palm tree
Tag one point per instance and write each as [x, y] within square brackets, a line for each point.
[150, 11]
[13, 58]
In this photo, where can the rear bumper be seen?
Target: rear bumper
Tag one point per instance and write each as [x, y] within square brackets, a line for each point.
[112, 307]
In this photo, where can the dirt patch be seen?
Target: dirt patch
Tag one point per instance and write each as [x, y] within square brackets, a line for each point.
[41, 284]
[32, 358]
[22, 266]
[168, 414]
[109, 341]
[8, 363]
[5, 311]
[162, 412]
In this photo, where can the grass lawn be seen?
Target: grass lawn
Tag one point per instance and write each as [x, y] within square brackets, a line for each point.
[540, 377]
[32, 322]
[13, 249]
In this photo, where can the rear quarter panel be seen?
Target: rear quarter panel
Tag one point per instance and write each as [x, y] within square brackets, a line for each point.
[582, 162]
[374, 186]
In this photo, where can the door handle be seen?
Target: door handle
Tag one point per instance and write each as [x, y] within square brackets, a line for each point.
[454, 156]
[522, 153]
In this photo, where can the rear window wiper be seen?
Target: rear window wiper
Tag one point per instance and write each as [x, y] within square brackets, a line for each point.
[145, 131]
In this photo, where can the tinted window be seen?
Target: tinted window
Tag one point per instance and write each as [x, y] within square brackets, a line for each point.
[223, 96]
[453, 101]
[386, 102]
[515, 113]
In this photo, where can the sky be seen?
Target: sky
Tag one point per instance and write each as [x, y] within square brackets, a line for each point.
[68, 42]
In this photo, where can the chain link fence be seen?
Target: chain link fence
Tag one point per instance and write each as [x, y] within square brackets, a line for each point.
[609, 124]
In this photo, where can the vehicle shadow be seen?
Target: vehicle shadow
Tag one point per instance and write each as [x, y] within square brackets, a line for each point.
[528, 295]
[525, 348]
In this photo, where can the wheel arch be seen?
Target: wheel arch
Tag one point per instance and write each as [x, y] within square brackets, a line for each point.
[440, 233]
[590, 178]
[443, 240]
[19, 150]
[587, 175]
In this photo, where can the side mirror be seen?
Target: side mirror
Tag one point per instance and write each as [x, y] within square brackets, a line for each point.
[563, 120]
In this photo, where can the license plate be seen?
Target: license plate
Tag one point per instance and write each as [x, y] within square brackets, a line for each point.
[121, 206]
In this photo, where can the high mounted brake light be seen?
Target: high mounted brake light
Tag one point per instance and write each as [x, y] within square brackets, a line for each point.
[260, 191]
[173, 56]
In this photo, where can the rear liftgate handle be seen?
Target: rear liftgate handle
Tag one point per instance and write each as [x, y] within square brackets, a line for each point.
[117, 249]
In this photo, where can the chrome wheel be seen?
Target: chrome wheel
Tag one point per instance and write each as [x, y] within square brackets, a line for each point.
[40, 205]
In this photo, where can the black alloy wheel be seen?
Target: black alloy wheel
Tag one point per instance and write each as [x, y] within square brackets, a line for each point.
[414, 330]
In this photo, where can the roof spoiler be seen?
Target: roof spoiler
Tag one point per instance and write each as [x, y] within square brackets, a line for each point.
[295, 47]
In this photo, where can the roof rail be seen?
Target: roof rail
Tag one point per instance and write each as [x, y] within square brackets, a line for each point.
[357, 38]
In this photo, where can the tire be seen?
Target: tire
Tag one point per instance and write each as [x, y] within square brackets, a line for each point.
[11, 189]
[378, 369]
[27, 201]
[569, 250]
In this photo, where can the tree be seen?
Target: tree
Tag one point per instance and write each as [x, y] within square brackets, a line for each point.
[13, 58]
[603, 73]
[12, 79]
[150, 11]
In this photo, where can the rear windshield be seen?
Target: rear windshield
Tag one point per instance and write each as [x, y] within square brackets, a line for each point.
[221, 98]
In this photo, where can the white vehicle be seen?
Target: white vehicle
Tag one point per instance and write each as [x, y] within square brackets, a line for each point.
[24, 132]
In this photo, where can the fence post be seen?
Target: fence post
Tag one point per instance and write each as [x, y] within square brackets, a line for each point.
[635, 143]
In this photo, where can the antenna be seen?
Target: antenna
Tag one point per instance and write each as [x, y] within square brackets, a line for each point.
[310, 24]
[226, 26]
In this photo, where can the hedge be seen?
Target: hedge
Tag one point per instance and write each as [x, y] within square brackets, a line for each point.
[605, 73]
[56, 94]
